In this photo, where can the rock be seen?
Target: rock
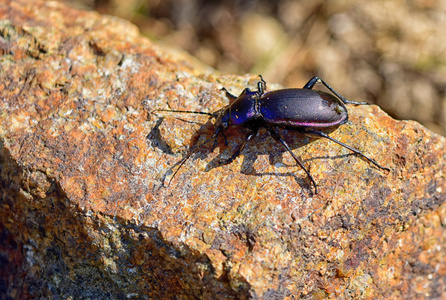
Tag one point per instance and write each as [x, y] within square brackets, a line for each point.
[83, 159]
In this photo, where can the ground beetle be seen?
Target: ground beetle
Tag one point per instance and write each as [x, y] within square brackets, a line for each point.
[305, 110]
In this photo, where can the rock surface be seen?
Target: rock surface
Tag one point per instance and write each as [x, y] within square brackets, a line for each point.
[83, 158]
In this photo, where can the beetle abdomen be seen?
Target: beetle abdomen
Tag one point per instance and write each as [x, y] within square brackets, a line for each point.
[302, 108]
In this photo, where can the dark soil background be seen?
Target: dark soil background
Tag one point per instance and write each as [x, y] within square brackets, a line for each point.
[392, 53]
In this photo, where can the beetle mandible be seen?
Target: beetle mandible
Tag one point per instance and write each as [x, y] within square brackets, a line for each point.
[305, 110]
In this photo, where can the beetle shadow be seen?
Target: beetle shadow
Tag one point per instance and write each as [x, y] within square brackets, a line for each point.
[259, 146]
[204, 132]
[154, 136]
[255, 148]
[157, 140]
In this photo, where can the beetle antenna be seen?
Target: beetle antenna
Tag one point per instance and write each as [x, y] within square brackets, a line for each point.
[188, 112]
[183, 160]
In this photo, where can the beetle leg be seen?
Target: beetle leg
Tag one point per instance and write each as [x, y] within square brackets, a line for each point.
[261, 85]
[215, 142]
[310, 84]
[276, 136]
[224, 136]
[229, 95]
[240, 148]
[321, 134]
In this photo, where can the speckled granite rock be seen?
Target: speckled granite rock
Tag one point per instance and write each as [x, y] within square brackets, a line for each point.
[83, 213]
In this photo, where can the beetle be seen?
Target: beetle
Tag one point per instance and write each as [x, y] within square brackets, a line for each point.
[305, 110]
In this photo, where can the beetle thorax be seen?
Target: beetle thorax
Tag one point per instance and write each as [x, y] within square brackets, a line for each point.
[242, 110]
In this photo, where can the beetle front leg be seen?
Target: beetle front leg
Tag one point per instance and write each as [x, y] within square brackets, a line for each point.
[229, 95]
[321, 134]
[276, 136]
[240, 148]
[310, 84]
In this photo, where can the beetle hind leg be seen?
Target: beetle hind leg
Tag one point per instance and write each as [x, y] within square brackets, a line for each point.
[276, 136]
[324, 135]
[310, 84]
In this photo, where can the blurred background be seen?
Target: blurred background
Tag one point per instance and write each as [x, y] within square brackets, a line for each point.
[388, 52]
